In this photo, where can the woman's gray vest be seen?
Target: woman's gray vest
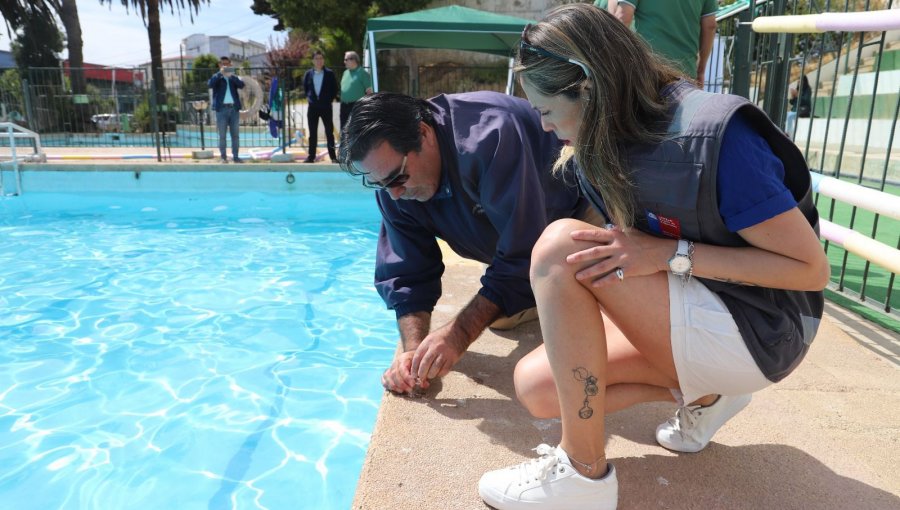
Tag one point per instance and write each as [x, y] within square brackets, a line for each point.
[676, 180]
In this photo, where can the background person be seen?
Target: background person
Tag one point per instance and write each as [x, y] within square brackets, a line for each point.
[473, 170]
[801, 105]
[709, 287]
[355, 83]
[227, 105]
[681, 30]
[320, 86]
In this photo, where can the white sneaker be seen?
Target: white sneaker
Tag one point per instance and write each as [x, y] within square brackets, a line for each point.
[549, 482]
[692, 427]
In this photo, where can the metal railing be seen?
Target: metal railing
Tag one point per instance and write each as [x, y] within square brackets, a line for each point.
[14, 132]
[116, 108]
[847, 132]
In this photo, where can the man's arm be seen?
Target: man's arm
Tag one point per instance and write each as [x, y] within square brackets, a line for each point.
[368, 79]
[408, 269]
[333, 85]
[625, 13]
[413, 329]
[707, 34]
[443, 348]
[307, 84]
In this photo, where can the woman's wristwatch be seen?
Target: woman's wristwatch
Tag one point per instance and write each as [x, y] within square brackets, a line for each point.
[682, 263]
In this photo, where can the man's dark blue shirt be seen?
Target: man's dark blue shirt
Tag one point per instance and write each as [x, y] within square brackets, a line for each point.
[496, 196]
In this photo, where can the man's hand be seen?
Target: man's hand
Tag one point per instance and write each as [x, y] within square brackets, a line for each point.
[398, 377]
[416, 361]
[437, 354]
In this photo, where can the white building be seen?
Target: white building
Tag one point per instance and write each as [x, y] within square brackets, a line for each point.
[174, 68]
[221, 45]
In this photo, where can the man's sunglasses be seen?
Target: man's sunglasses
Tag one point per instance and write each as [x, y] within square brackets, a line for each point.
[525, 45]
[396, 180]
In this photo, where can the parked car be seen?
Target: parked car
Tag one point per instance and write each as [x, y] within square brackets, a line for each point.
[112, 121]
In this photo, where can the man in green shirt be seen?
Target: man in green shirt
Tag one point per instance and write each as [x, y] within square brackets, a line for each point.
[681, 30]
[355, 83]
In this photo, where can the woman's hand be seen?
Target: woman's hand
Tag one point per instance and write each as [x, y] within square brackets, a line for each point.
[606, 250]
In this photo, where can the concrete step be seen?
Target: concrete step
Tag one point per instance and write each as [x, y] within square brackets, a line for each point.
[851, 162]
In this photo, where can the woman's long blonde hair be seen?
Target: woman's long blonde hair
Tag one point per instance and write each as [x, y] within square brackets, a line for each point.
[621, 97]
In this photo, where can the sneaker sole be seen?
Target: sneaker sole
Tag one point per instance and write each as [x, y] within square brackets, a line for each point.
[695, 449]
[501, 502]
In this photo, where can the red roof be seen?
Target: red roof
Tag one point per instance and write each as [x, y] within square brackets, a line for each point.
[104, 73]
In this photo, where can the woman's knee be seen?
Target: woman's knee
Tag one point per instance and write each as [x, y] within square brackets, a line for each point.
[554, 245]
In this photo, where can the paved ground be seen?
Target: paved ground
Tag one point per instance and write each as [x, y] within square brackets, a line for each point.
[827, 437]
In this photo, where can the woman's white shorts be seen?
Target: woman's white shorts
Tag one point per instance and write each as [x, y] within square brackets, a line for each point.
[709, 352]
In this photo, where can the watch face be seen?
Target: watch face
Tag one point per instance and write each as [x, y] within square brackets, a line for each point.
[680, 264]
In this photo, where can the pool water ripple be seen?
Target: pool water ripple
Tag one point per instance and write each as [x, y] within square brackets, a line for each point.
[171, 352]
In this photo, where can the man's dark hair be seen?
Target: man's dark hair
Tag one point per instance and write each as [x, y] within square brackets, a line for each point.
[317, 53]
[382, 117]
[224, 58]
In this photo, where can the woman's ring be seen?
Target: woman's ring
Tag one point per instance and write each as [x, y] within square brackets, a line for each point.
[620, 274]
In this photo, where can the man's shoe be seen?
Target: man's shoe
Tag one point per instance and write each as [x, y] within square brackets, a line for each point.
[237, 159]
[309, 160]
[549, 483]
[224, 160]
[692, 427]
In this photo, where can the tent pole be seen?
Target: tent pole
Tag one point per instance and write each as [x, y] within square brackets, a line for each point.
[510, 83]
[372, 57]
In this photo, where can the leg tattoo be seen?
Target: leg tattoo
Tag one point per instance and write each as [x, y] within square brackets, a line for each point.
[590, 389]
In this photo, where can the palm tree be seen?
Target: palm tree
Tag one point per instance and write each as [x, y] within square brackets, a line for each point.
[68, 14]
[14, 12]
[149, 10]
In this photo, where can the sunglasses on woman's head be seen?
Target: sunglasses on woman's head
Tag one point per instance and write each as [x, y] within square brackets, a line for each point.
[527, 46]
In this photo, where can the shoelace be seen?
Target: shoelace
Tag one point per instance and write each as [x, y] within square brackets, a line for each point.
[684, 421]
[538, 468]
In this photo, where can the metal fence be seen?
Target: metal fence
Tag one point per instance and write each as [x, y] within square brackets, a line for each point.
[115, 108]
[848, 130]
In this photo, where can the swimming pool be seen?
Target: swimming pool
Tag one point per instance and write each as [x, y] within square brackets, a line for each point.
[187, 350]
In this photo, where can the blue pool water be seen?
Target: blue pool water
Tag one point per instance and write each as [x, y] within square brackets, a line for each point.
[188, 351]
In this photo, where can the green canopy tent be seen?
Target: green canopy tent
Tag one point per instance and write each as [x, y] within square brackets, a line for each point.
[450, 28]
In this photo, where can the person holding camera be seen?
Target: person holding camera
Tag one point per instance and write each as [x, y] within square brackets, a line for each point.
[227, 105]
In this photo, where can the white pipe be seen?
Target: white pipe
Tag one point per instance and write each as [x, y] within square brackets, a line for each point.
[374, 60]
[872, 200]
[15, 158]
[869, 249]
[866, 21]
[510, 76]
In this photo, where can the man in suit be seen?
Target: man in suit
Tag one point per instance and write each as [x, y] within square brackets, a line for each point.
[320, 86]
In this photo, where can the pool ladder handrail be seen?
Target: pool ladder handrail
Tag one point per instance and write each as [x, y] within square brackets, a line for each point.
[14, 131]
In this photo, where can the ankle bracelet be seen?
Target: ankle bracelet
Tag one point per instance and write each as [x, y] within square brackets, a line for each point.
[587, 467]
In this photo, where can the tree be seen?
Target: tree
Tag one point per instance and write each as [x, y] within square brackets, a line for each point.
[18, 12]
[289, 54]
[38, 43]
[15, 12]
[149, 10]
[345, 20]
[202, 69]
[68, 14]
[262, 8]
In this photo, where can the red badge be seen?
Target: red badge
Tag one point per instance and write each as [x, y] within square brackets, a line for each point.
[669, 227]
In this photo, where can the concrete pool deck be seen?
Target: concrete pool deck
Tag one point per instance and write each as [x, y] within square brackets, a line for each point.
[828, 437]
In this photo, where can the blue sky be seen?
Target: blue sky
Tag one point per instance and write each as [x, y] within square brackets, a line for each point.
[114, 36]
